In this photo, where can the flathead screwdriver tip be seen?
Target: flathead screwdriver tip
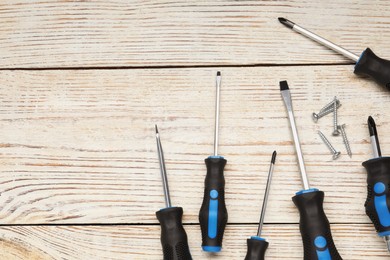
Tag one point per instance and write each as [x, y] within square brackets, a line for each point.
[273, 157]
[218, 73]
[283, 85]
[372, 126]
[286, 22]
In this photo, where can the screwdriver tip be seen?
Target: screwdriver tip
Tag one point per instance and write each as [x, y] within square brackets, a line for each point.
[155, 126]
[273, 157]
[218, 73]
[283, 85]
[371, 126]
[286, 22]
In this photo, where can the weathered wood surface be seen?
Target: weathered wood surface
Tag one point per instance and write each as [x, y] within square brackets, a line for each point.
[36, 34]
[78, 146]
[355, 242]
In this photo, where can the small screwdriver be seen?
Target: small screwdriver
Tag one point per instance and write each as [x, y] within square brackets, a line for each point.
[213, 213]
[256, 244]
[313, 224]
[378, 181]
[367, 63]
[173, 236]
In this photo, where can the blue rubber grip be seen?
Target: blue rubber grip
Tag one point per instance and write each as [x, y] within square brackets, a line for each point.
[380, 202]
[322, 248]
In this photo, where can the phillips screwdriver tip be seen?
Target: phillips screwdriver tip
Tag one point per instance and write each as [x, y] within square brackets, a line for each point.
[273, 157]
[155, 126]
[218, 73]
[286, 22]
[371, 126]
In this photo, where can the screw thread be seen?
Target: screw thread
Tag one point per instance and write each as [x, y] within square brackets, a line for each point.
[345, 139]
[326, 141]
[330, 105]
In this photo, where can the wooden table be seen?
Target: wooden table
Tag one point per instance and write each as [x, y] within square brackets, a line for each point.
[82, 84]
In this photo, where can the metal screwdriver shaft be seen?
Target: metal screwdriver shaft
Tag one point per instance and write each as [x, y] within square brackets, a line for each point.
[367, 64]
[162, 169]
[266, 193]
[174, 239]
[216, 129]
[318, 39]
[286, 95]
[256, 245]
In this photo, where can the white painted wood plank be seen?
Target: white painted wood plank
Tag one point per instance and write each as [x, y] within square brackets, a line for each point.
[37, 34]
[79, 146]
[355, 242]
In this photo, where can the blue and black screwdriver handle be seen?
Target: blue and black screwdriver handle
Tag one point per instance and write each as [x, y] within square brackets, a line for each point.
[174, 239]
[378, 187]
[213, 214]
[314, 225]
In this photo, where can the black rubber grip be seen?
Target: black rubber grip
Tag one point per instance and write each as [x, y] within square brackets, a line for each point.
[256, 249]
[173, 236]
[377, 68]
[314, 226]
[378, 192]
[214, 193]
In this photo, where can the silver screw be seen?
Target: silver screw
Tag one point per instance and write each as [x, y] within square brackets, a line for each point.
[329, 145]
[329, 105]
[335, 126]
[345, 139]
[324, 113]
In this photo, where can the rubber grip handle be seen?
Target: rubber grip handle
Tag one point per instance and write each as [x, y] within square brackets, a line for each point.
[378, 193]
[377, 68]
[256, 249]
[314, 226]
[213, 213]
[174, 239]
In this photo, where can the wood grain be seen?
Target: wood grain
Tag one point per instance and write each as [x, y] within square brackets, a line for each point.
[142, 242]
[51, 33]
[78, 146]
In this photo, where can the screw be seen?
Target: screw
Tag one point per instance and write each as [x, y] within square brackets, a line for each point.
[345, 139]
[335, 126]
[324, 112]
[330, 105]
[329, 145]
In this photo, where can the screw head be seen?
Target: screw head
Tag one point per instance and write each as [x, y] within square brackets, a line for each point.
[336, 155]
[315, 117]
[336, 132]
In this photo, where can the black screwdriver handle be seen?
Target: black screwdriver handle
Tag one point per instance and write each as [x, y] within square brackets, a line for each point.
[256, 248]
[213, 214]
[314, 226]
[378, 193]
[173, 236]
[377, 68]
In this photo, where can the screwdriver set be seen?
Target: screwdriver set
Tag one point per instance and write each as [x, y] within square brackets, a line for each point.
[315, 228]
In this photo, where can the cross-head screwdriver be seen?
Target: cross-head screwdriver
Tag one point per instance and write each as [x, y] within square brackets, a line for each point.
[257, 245]
[367, 63]
[174, 239]
[213, 213]
[378, 183]
[314, 225]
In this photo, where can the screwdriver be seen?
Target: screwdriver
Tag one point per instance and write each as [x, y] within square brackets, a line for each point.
[367, 63]
[213, 213]
[173, 236]
[378, 181]
[256, 244]
[313, 224]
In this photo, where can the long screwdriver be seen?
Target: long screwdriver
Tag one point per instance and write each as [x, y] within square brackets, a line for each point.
[378, 192]
[256, 244]
[313, 224]
[367, 63]
[213, 213]
[174, 239]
